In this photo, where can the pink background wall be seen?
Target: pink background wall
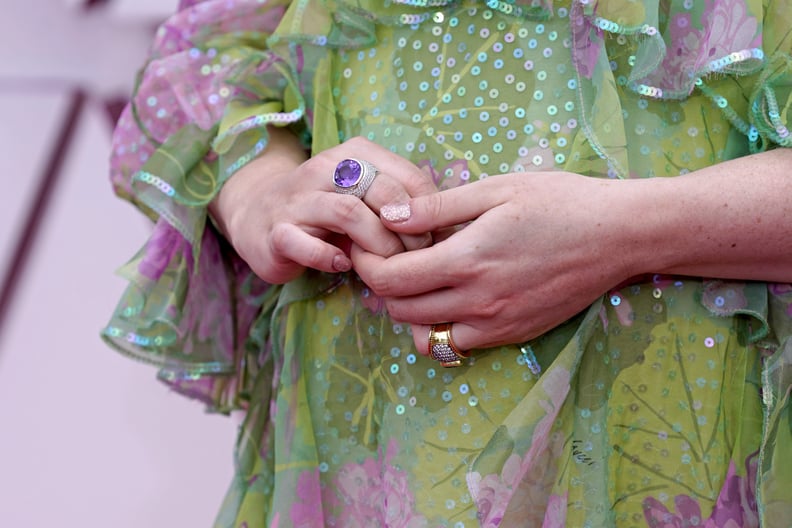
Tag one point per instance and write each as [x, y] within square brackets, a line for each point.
[88, 438]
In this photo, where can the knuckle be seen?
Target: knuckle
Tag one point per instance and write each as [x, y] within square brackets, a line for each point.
[380, 283]
[312, 164]
[348, 209]
[394, 247]
[315, 257]
[488, 304]
[265, 267]
[267, 274]
[358, 142]
[396, 310]
[422, 181]
[384, 190]
[279, 238]
[433, 205]
[489, 308]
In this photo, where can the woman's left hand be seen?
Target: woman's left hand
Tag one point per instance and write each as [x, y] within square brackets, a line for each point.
[535, 250]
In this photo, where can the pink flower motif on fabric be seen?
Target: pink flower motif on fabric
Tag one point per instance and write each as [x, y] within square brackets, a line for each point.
[731, 28]
[725, 27]
[165, 243]
[587, 41]
[493, 492]
[375, 493]
[207, 314]
[556, 512]
[308, 511]
[524, 483]
[784, 293]
[780, 289]
[724, 297]
[735, 507]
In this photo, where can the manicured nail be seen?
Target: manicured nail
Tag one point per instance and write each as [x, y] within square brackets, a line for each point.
[341, 263]
[395, 212]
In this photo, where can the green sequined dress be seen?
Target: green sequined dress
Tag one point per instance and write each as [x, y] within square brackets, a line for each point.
[665, 403]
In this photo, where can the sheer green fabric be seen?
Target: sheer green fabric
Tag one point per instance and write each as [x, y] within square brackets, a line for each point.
[666, 403]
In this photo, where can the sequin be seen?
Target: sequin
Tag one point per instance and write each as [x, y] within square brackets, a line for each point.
[499, 93]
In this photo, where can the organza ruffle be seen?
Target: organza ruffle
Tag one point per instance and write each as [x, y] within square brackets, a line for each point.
[670, 50]
[220, 72]
[191, 302]
[667, 50]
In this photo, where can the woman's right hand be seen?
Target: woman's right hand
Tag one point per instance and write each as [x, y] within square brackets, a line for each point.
[282, 215]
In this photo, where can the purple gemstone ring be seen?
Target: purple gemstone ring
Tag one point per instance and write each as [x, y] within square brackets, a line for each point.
[442, 347]
[354, 176]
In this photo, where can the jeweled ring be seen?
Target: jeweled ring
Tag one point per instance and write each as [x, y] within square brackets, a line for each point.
[442, 347]
[354, 176]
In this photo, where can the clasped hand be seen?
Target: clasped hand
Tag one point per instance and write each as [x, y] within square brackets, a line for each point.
[526, 252]
[504, 259]
[281, 214]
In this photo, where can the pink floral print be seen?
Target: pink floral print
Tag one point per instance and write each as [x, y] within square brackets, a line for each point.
[735, 507]
[375, 493]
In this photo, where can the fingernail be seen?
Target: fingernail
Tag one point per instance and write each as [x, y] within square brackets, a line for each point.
[341, 263]
[395, 212]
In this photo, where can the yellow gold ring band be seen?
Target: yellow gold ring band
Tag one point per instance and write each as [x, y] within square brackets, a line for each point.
[442, 347]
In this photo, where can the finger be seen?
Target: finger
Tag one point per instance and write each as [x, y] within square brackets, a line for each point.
[290, 243]
[444, 264]
[413, 242]
[420, 333]
[442, 209]
[383, 189]
[348, 215]
[412, 179]
[387, 189]
[446, 304]
[400, 275]
[444, 233]
[397, 180]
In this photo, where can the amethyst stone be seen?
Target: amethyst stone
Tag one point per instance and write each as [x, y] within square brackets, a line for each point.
[347, 173]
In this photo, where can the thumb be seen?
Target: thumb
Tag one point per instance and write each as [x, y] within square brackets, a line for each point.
[435, 211]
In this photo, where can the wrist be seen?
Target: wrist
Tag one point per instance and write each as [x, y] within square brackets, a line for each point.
[283, 155]
[725, 221]
[642, 226]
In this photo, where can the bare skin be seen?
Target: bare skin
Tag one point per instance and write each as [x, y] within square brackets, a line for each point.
[541, 247]
[281, 214]
[523, 263]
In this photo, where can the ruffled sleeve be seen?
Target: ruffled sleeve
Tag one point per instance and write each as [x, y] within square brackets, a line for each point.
[733, 54]
[198, 114]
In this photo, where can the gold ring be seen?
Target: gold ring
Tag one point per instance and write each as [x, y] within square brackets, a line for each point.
[442, 347]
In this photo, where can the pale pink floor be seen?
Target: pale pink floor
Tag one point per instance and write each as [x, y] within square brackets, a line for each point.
[88, 438]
